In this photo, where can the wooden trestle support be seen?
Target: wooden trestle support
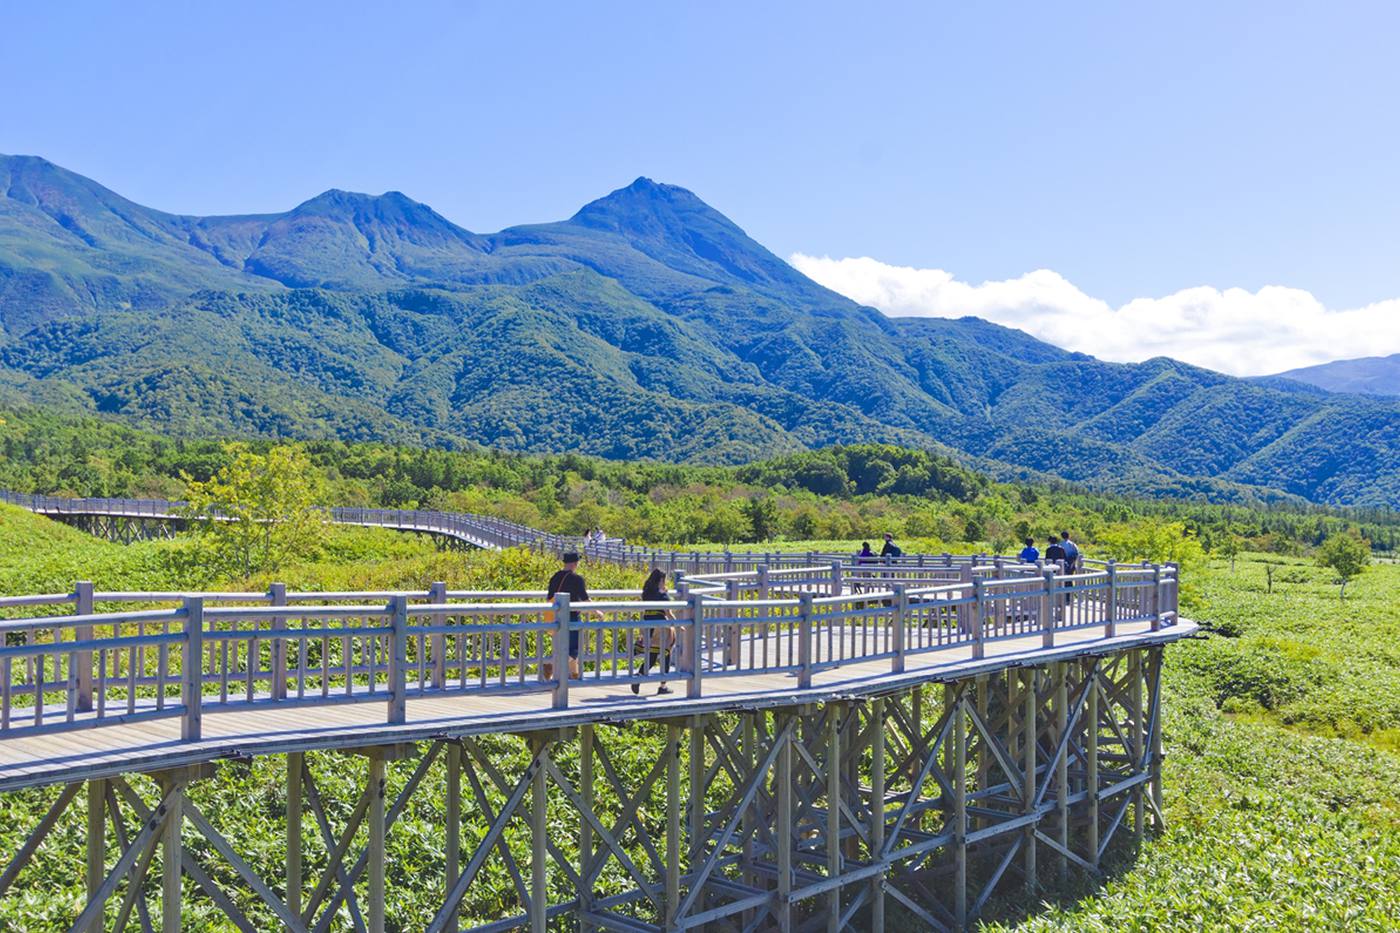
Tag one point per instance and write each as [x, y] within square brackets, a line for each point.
[923, 802]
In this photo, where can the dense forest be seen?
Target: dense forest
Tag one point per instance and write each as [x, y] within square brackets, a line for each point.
[837, 494]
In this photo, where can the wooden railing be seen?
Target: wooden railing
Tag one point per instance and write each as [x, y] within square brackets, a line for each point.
[181, 654]
[492, 532]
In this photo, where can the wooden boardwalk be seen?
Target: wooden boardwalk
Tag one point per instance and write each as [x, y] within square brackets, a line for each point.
[841, 735]
[265, 728]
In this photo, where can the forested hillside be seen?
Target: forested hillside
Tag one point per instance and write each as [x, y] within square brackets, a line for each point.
[837, 494]
[647, 325]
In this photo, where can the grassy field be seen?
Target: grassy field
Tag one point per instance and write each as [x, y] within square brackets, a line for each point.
[1283, 779]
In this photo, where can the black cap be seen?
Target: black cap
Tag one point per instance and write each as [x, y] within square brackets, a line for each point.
[569, 557]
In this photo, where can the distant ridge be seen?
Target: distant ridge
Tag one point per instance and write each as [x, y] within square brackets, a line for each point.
[1370, 375]
[647, 325]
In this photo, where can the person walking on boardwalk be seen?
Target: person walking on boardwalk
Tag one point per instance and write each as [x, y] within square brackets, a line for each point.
[866, 556]
[891, 549]
[1071, 552]
[1029, 554]
[660, 639]
[1056, 554]
[568, 580]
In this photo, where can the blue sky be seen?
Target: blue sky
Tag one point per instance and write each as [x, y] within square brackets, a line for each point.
[1133, 152]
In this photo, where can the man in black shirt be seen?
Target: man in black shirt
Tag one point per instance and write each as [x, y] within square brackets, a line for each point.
[1055, 553]
[890, 549]
[571, 582]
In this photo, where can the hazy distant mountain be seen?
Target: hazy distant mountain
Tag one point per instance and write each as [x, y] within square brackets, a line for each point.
[1370, 375]
[646, 325]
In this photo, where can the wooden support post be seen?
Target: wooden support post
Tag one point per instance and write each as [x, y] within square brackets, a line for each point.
[585, 834]
[376, 842]
[877, 810]
[784, 842]
[696, 821]
[1091, 740]
[82, 605]
[437, 595]
[833, 814]
[959, 777]
[748, 749]
[398, 659]
[539, 842]
[982, 686]
[191, 671]
[1061, 702]
[294, 801]
[1137, 736]
[96, 842]
[1155, 725]
[172, 852]
[277, 596]
[1028, 768]
[673, 823]
[453, 846]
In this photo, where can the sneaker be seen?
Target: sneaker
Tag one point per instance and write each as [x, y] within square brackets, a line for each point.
[636, 688]
[662, 689]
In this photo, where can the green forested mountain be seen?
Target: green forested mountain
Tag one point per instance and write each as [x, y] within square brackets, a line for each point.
[1369, 375]
[647, 325]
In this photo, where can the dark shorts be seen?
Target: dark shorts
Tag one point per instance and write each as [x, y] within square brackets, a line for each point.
[573, 642]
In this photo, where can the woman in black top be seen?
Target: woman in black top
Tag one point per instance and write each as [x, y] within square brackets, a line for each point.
[663, 637]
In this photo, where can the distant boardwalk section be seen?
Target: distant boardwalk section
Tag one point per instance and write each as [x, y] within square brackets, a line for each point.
[840, 736]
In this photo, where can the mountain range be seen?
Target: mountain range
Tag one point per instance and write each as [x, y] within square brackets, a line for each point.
[646, 325]
[1370, 375]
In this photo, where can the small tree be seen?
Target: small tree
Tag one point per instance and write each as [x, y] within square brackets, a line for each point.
[1346, 554]
[762, 513]
[258, 510]
[1229, 548]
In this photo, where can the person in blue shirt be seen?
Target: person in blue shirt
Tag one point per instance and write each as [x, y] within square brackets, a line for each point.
[1030, 554]
[1071, 552]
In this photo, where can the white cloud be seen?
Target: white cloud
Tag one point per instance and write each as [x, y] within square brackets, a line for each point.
[1234, 331]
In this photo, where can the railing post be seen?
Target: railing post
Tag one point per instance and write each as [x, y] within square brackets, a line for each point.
[398, 658]
[804, 640]
[561, 650]
[836, 578]
[979, 649]
[965, 611]
[82, 605]
[692, 645]
[764, 584]
[1157, 598]
[901, 615]
[277, 596]
[1047, 610]
[732, 635]
[1110, 612]
[191, 671]
[437, 595]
